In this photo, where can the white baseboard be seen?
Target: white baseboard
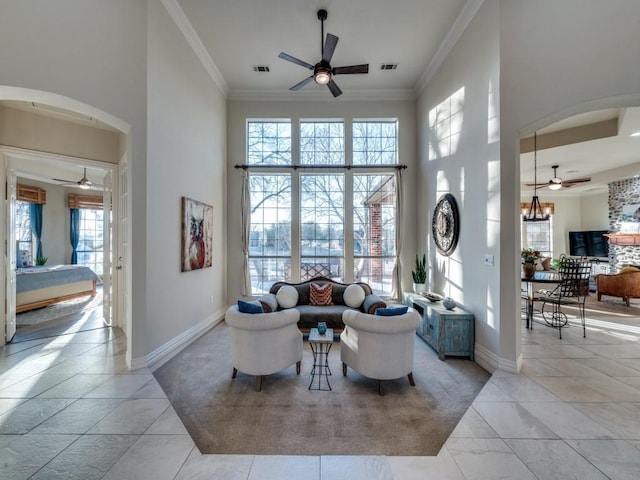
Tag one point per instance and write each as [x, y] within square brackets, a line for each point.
[510, 365]
[492, 362]
[166, 352]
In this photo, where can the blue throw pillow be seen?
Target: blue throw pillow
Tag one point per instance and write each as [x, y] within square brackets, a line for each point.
[249, 307]
[391, 311]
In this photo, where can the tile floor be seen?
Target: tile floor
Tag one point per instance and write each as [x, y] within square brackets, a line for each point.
[69, 409]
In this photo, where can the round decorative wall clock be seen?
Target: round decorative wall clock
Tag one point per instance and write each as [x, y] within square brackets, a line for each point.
[446, 224]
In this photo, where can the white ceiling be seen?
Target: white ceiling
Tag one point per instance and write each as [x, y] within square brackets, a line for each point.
[415, 34]
[241, 33]
[604, 159]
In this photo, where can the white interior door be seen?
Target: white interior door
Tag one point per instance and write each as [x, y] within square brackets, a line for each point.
[10, 263]
[122, 272]
[107, 218]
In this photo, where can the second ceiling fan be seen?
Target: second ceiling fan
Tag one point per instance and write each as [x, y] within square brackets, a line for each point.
[323, 71]
[83, 183]
[556, 183]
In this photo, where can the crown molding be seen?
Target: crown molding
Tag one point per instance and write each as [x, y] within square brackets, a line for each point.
[318, 96]
[182, 22]
[466, 15]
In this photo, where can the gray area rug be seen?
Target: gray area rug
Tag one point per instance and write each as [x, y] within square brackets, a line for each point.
[227, 416]
[62, 309]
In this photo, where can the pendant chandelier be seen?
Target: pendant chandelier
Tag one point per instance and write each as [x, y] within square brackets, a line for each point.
[535, 213]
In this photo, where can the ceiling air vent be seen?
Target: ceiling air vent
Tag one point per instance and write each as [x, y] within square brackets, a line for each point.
[388, 66]
[261, 68]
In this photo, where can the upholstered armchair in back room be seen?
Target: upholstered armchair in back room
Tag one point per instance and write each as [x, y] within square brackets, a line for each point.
[625, 284]
[264, 343]
[379, 347]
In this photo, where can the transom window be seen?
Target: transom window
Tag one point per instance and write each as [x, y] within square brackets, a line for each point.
[321, 143]
[375, 142]
[322, 219]
[269, 143]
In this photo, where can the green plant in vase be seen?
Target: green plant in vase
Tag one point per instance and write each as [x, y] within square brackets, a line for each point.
[419, 274]
[529, 258]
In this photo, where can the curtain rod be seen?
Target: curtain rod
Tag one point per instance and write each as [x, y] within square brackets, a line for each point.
[245, 166]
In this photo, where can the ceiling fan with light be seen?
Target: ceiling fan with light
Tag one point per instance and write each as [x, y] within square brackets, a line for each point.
[83, 183]
[556, 183]
[323, 71]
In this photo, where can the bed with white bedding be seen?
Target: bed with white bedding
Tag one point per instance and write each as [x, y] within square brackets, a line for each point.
[41, 286]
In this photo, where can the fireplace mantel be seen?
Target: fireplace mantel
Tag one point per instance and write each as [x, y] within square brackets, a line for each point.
[623, 238]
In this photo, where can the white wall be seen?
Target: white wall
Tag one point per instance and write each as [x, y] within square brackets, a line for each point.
[594, 212]
[471, 173]
[557, 59]
[22, 129]
[239, 111]
[186, 157]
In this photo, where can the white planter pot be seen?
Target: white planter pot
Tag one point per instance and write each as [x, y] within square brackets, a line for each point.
[419, 287]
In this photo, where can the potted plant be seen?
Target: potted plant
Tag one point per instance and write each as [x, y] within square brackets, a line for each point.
[529, 259]
[40, 261]
[420, 275]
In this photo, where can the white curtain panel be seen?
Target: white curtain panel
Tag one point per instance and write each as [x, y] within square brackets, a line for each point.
[396, 276]
[245, 206]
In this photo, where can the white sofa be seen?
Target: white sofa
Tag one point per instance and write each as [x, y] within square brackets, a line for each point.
[264, 343]
[379, 347]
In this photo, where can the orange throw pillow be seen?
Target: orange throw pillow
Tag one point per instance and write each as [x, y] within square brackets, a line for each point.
[321, 294]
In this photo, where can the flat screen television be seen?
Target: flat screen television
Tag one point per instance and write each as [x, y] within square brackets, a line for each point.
[589, 243]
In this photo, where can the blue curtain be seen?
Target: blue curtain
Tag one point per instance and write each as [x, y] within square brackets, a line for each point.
[74, 233]
[35, 212]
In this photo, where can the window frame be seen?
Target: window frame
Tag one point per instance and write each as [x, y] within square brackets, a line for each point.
[20, 226]
[95, 265]
[346, 169]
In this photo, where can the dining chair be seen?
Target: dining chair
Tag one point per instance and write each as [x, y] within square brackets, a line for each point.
[572, 292]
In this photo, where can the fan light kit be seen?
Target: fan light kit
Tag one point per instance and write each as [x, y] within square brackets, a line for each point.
[555, 183]
[322, 71]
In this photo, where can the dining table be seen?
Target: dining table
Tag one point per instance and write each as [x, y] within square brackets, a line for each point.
[529, 294]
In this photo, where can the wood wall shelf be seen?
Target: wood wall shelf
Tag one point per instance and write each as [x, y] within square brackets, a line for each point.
[623, 238]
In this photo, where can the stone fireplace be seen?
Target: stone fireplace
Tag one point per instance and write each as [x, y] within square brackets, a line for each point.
[624, 248]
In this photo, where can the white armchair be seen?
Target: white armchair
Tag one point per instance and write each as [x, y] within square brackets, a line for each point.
[264, 343]
[379, 347]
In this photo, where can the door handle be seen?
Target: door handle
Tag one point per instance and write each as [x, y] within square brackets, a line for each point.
[119, 267]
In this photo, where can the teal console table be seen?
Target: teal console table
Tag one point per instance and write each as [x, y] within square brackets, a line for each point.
[448, 332]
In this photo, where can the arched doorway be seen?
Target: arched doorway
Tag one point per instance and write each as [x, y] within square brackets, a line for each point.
[45, 112]
[589, 148]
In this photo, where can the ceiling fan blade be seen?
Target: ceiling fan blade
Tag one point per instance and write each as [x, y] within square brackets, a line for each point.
[295, 60]
[536, 184]
[301, 84]
[575, 181]
[329, 47]
[335, 90]
[63, 180]
[364, 68]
